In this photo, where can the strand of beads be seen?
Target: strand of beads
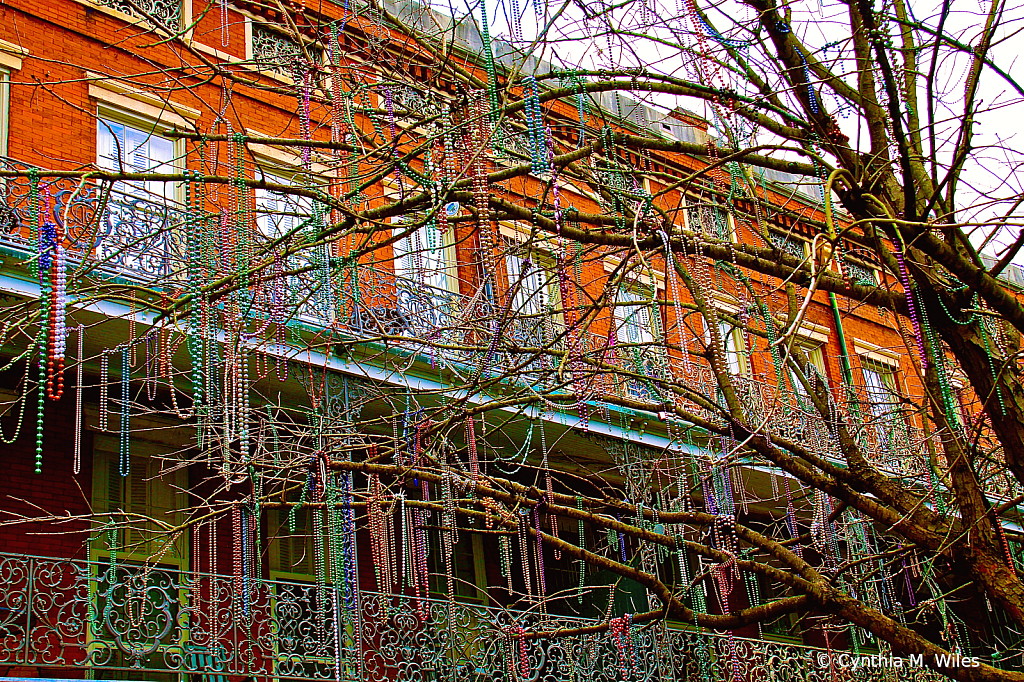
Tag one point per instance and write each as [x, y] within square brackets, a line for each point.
[76, 466]
[492, 77]
[474, 460]
[45, 303]
[537, 133]
[911, 307]
[378, 541]
[479, 133]
[573, 340]
[794, 531]
[104, 391]
[670, 269]
[196, 590]
[622, 629]
[541, 582]
[518, 662]
[237, 561]
[524, 548]
[33, 217]
[58, 308]
[580, 544]
[124, 454]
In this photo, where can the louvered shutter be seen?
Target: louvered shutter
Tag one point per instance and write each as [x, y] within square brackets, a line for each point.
[292, 550]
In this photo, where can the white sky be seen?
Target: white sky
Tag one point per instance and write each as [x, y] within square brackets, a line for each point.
[994, 171]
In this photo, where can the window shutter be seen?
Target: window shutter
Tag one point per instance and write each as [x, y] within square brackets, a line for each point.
[281, 560]
[291, 555]
[302, 560]
[137, 504]
[115, 486]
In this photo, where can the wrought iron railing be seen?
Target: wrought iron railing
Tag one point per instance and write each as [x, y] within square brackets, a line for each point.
[62, 614]
[133, 236]
[122, 233]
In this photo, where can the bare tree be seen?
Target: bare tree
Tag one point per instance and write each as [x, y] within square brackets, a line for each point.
[468, 278]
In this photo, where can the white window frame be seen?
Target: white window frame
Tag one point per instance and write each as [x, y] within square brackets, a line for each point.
[888, 383]
[171, 190]
[734, 350]
[447, 268]
[11, 56]
[538, 291]
[873, 359]
[814, 350]
[628, 322]
[279, 175]
[125, 105]
[5, 109]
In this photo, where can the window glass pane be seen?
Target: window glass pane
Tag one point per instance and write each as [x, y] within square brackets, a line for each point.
[422, 257]
[731, 338]
[277, 213]
[877, 387]
[134, 150]
[633, 319]
[530, 296]
[816, 364]
[880, 389]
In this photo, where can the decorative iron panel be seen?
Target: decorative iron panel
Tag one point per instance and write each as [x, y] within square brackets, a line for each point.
[162, 13]
[57, 613]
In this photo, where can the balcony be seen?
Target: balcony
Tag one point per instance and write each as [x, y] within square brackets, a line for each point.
[57, 615]
[125, 235]
[133, 238]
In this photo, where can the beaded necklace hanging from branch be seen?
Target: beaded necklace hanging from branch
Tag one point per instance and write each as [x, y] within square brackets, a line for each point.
[41, 340]
[193, 248]
[535, 128]
[492, 76]
[57, 271]
[124, 454]
[621, 629]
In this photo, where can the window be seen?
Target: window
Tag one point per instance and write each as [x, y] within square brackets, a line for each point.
[530, 292]
[277, 213]
[879, 387]
[291, 552]
[791, 245]
[5, 109]
[732, 337]
[426, 283]
[532, 322]
[168, 14]
[733, 347]
[423, 259]
[859, 274]
[633, 319]
[11, 56]
[635, 329]
[150, 489]
[816, 360]
[140, 215]
[882, 398]
[468, 569]
[135, 149]
[274, 53]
